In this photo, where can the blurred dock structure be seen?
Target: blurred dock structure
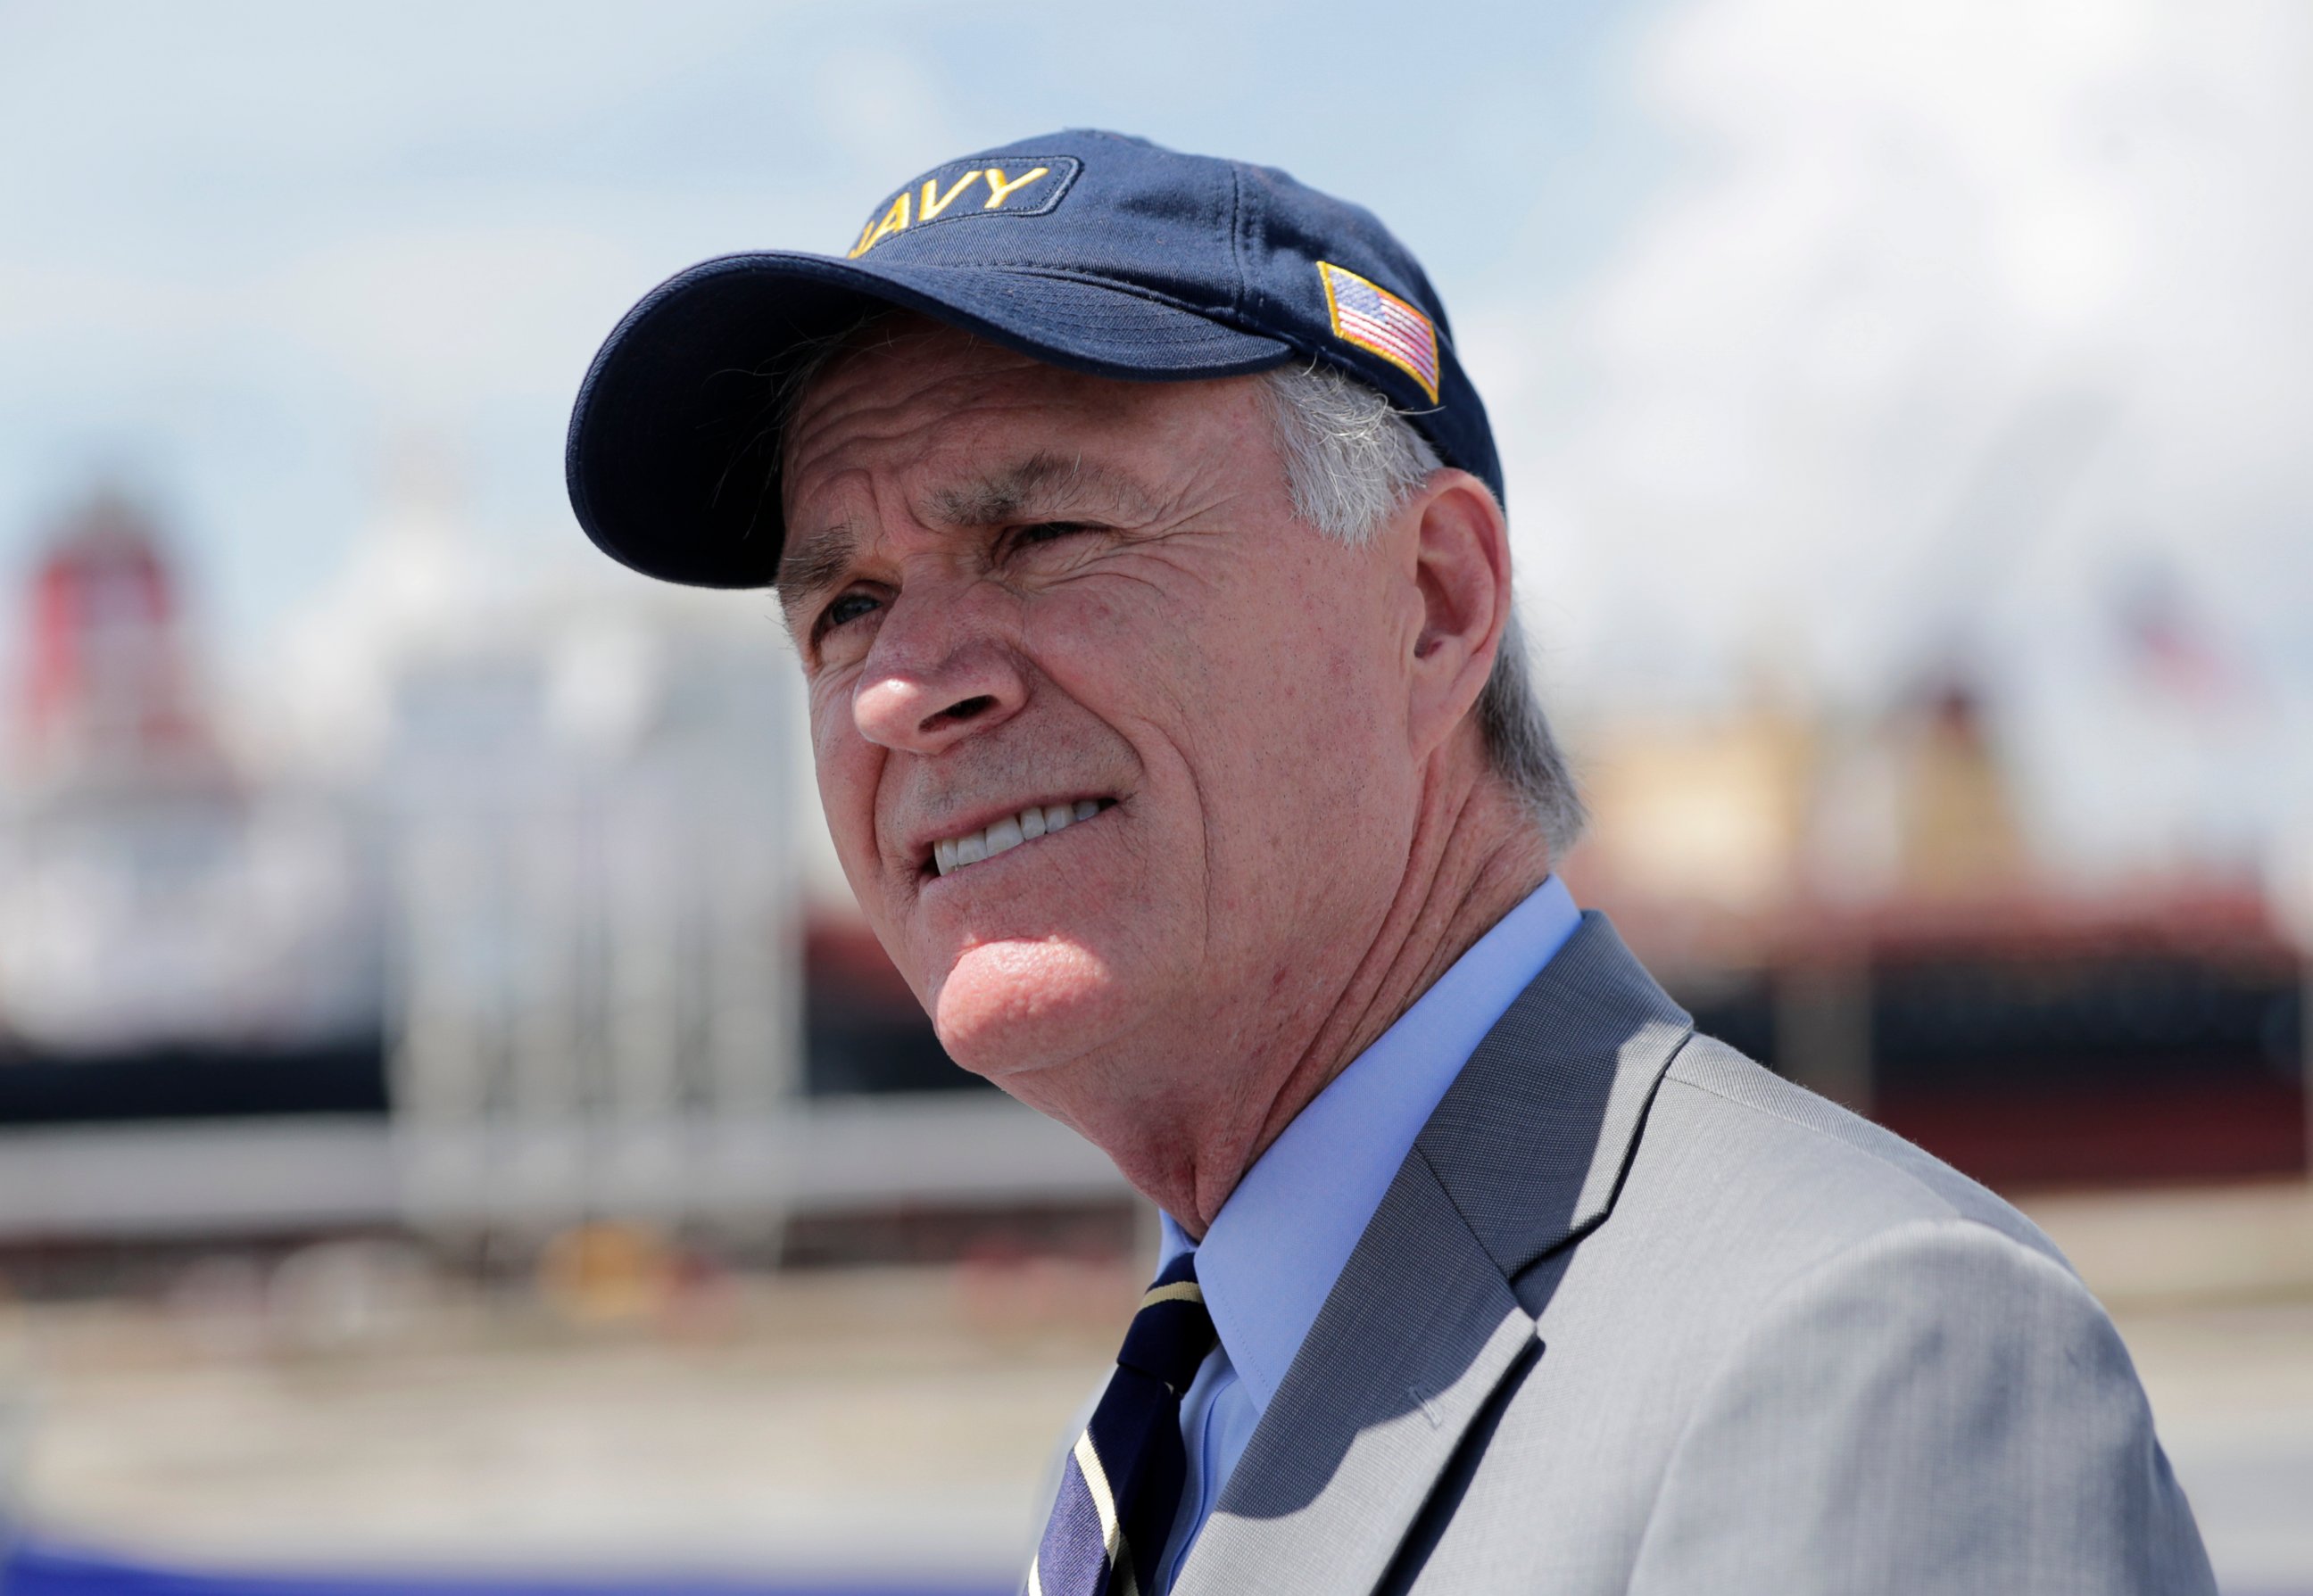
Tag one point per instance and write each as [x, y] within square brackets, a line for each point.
[373, 1414]
[434, 1157]
[556, 939]
[533, 957]
[593, 1001]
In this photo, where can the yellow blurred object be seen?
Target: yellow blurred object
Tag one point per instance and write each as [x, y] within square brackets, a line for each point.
[1959, 835]
[1684, 808]
[1772, 804]
[607, 1273]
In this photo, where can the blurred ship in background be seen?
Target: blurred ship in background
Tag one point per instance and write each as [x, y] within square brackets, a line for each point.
[548, 937]
[177, 936]
[1860, 906]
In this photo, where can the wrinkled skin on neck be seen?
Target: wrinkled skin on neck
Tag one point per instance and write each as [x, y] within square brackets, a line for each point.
[1017, 586]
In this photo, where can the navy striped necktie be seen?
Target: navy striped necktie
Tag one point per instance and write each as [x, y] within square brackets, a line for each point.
[1121, 1484]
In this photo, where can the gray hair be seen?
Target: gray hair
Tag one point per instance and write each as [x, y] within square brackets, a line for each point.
[1351, 463]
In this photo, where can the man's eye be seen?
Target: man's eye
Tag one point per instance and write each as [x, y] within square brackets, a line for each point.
[850, 607]
[1046, 532]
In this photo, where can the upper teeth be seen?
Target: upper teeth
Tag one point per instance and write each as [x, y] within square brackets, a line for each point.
[1010, 832]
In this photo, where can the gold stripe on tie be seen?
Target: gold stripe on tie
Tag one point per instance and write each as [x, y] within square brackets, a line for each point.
[1103, 1503]
[1182, 1291]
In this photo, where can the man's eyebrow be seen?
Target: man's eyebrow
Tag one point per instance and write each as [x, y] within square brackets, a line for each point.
[1037, 486]
[1040, 485]
[815, 563]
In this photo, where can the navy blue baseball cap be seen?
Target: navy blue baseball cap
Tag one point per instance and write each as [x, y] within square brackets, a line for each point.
[1090, 250]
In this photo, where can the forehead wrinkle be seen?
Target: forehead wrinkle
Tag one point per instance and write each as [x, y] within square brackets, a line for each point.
[1036, 486]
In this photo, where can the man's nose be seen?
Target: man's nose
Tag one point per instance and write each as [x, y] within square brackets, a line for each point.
[934, 676]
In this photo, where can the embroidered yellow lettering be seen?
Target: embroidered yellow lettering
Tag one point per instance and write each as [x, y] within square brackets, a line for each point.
[933, 206]
[895, 220]
[998, 190]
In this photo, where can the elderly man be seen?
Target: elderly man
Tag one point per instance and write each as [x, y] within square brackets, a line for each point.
[1142, 541]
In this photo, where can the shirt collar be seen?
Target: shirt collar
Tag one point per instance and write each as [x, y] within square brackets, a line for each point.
[1279, 1244]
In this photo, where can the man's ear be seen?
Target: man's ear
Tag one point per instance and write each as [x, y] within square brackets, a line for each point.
[1461, 576]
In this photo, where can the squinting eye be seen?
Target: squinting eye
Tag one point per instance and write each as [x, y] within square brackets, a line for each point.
[850, 607]
[1046, 531]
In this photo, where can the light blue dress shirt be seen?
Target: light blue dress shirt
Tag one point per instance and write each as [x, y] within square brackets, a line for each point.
[1280, 1240]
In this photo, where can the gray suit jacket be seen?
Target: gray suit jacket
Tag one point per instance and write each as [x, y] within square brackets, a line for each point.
[1636, 1315]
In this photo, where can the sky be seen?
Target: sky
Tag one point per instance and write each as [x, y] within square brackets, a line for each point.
[1830, 344]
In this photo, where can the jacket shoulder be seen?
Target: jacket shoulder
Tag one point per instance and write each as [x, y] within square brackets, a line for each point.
[1814, 1174]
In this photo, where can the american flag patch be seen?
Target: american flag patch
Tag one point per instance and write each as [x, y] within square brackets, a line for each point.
[1373, 318]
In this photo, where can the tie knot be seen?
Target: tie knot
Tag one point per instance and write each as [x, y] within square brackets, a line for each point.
[1173, 1331]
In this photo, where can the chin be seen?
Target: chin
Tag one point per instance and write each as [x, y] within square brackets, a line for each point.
[1008, 1009]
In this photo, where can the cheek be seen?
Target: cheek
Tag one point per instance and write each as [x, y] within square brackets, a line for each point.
[845, 765]
[1256, 697]
[1309, 685]
[1319, 746]
[1112, 632]
[1125, 657]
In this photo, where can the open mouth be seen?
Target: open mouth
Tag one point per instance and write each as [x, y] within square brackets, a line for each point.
[951, 854]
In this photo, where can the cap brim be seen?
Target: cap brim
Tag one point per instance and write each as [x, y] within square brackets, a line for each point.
[673, 449]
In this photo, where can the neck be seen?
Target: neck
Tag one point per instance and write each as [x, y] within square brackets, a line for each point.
[1474, 856]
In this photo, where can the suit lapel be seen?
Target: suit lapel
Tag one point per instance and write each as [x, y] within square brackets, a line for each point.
[1525, 1151]
[1411, 1341]
[1532, 1140]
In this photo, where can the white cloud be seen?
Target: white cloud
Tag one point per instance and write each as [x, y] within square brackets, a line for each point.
[434, 317]
[1957, 309]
